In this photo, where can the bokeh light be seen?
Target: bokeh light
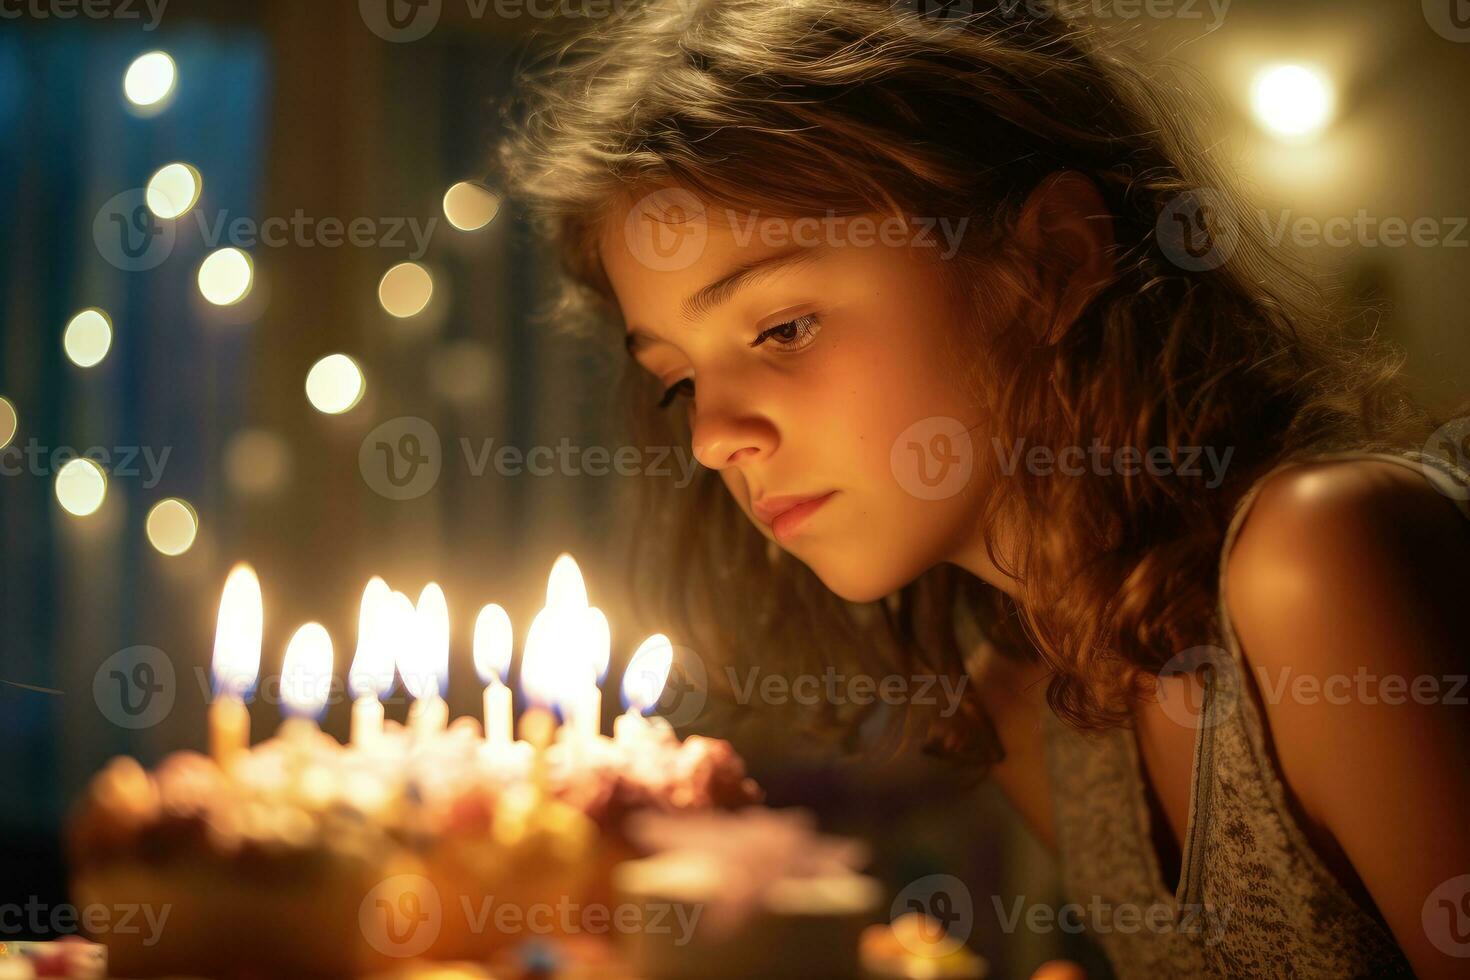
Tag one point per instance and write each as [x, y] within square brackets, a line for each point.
[81, 487]
[406, 289]
[173, 190]
[9, 421]
[470, 207]
[88, 337]
[150, 80]
[172, 526]
[335, 384]
[1292, 101]
[257, 462]
[225, 276]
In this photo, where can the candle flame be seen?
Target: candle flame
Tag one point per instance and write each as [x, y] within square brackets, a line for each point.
[372, 666]
[306, 674]
[400, 624]
[648, 672]
[238, 633]
[561, 655]
[565, 586]
[539, 682]
[494, 639]
[424, 658]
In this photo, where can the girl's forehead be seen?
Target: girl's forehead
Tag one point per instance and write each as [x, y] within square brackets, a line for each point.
[676, 233]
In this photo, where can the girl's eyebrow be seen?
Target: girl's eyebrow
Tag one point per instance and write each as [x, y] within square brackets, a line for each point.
[721, 290]
[699, 305]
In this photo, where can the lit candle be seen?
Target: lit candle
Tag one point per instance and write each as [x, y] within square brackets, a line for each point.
[643, 685]
[571, 630]
[493, 644]
[428, 653]
[306, 678]
[236, 665]
[371, 674]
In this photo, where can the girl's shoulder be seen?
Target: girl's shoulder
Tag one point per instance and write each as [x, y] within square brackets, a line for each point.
[1331, 531]
[1343, 589]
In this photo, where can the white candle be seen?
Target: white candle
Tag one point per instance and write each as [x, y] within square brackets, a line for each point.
[237, 640]
[229, 729]
[499, 714]
[494, 639]
[371, 674]
[367, 721]
[629, 727]
[428, 715]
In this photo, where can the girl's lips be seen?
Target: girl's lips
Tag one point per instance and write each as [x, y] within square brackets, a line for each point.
[788, 522]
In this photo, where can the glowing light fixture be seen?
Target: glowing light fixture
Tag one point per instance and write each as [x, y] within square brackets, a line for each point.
[1292, 101]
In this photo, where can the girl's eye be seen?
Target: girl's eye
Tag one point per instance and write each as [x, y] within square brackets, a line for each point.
[684, 386]
[792, 335]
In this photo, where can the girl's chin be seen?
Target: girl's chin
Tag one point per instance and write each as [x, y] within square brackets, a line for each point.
[855, 581]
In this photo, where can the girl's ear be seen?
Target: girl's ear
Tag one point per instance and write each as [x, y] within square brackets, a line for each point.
[1067, 225]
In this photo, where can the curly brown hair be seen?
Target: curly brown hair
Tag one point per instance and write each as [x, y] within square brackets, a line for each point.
[812, 107]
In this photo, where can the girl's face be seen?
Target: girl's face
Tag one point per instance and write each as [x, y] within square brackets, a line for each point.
[816, 361]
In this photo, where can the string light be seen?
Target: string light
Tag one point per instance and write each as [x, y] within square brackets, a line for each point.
[335, 384]
[406, 289]
[81, 487]
[150, 80]
[172, 526]
[173, 190]
[225, 276]
[470, 207]
[9, 421]
[88, 337]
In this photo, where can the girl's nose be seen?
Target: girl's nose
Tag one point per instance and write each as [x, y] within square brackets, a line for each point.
[719, 442]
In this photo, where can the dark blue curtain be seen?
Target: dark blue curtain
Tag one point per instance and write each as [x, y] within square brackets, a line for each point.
[173, 382]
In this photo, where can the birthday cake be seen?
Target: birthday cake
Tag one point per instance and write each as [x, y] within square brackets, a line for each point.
[310, 858]
[300, 856]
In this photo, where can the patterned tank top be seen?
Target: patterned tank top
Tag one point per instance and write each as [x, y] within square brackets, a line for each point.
[1253, 898]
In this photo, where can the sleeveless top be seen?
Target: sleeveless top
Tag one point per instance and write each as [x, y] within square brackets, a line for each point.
[1253, 899]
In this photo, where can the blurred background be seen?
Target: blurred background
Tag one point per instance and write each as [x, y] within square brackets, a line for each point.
[236, 370]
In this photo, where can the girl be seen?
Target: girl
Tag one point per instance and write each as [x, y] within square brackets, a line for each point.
[964, 326]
